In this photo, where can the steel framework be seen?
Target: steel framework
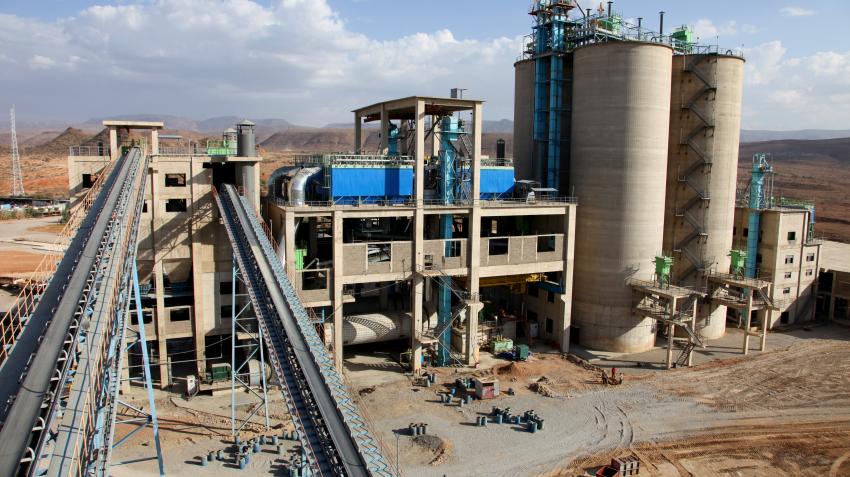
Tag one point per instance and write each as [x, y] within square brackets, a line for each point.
[17, 176]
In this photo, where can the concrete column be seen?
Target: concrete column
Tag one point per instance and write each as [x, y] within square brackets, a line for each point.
[671, 330]
[159, 322]
[765, 324]
[477, 126]
[474, 260]
[203, 263]
[385, 131]
[154, 141]
[435, 137]
[569, 254]
[748, 322]
[694, 331]
[289, 244]
[113, 143]
[358, 144]
[418, 288]
[338, 273]
[832, 296]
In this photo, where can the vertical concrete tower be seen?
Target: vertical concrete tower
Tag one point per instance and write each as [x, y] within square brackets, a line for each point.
[705, 124]
[620, 129]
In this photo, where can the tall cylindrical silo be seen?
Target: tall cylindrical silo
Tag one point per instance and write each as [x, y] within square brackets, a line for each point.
[705, 124]
[620, 128]
[523, 118]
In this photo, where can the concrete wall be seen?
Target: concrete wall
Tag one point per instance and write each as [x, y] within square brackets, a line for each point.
[523, 118]
[621, 115]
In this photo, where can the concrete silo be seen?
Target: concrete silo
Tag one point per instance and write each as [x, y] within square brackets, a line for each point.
[620, 130]
[523, 118]
[705, 124]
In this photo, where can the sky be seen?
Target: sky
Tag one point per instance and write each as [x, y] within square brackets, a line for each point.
[313, 61]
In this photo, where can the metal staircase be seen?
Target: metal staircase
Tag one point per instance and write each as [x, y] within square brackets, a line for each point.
[697, 175]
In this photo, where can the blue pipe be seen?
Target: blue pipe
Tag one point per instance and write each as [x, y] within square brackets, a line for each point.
[756, 204]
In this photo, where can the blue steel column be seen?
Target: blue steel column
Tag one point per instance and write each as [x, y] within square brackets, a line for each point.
[147, 369]
[448, 159]
[541, 92]
[757, 202]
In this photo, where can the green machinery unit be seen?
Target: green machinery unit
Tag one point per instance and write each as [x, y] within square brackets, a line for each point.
[683, 39]
[218, 372]
[501, 345]
[521, 352]
[300, 254]
[738, 261]
[663, 264]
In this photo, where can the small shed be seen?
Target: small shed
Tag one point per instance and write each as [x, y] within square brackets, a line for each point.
[486, 388]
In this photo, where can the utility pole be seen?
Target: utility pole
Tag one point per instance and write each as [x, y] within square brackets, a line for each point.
[17, 176]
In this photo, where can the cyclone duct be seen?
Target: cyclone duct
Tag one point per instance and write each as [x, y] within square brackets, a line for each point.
[620, 130]
[702, 170]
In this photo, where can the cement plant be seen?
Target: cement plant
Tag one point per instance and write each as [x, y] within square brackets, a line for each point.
[609, 293]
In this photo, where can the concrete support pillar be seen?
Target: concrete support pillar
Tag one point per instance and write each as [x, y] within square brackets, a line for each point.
[765, 325]
[159, 323]
[289, 244]
[358, 131]
[435, 137]
[694, 331]
[154, 142]
[474, 259]
[832, 296]
[671, 330]
[418, 288]
[569, 254]
[337, 289]
[748, 321]
[477, 127]
[473, 309]
[385, 131]
[113, 143]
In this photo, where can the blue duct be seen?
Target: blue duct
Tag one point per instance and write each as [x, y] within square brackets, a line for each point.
[449, 132]
[756, 204]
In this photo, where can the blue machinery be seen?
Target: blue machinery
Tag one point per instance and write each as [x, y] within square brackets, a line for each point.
[61, 376]
[760, 198]
[550, 140]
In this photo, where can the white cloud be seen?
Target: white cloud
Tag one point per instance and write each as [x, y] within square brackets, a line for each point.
[207, 57]
[783, 92]
[792, 11]
[705, 29]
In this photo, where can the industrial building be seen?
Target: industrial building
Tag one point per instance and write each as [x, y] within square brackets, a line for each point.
[184, 257]
[424, 238]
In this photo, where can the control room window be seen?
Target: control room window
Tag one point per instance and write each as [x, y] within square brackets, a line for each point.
[786, 291]
[787, 275]
[792, 236]
[546, 243]
[789, 259]
[175, 205]
[498, 246]
[175, 180]
[810, 257]
[453, 249]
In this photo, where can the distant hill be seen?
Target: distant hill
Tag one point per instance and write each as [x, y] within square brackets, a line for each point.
[814, 170]
[803, 134]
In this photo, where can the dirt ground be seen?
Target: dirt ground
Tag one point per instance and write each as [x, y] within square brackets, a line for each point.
[780, 413]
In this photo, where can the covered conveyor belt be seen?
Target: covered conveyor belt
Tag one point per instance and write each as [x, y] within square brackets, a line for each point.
[333, 433]
[55, 385]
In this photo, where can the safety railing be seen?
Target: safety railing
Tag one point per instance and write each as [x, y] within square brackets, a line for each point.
[14, 320]
[505, 202]
[90, 151]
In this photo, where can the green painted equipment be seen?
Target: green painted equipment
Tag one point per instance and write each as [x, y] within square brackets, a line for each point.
[521, 352]
[219, 372]
[738, 261]
[300, 253]
[501, 345]
[683, 38]
[663, 265]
